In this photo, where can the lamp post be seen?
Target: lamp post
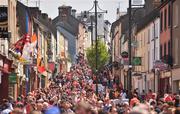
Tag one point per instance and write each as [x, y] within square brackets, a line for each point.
[96, 7]
[129, 86]
[91, 30]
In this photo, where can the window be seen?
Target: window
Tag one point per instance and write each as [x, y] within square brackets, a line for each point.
[176, 14]
[156, 52]
[3, 48]
[169, 48]
[153, 59]
[144, 38]
[156, 30]
[161, 23]
[165, 49]
[165, 19]
[161, 53]
[148, 60]
[176, 50]
[149, 35]
[169, 15]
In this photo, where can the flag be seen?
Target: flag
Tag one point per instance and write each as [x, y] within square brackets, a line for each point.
[34, 45]
[26, 53]
[41, 69]
[17, 48]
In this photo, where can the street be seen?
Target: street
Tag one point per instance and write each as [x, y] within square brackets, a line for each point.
[107, 57]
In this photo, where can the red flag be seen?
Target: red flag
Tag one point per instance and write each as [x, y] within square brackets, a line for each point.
[41, 69]
[19, 45]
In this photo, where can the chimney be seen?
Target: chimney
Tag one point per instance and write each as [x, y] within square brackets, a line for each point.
[64, 11]
[117, 13]
[73, 12]
[45, 16]
[50, 20]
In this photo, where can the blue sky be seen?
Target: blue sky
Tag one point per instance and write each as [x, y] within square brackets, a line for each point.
[51, 6]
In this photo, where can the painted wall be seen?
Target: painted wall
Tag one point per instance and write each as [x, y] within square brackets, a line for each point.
[71, 43]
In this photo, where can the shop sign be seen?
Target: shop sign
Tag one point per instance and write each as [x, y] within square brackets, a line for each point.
[136, 61]
[160, 65]
[13, 78]
[3, 22]
[134, 44]
[124, 54]
[137, 2]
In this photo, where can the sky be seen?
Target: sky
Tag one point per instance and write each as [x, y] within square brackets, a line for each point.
[51, 6]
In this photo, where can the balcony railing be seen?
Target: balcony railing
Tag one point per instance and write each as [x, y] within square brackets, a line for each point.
[167, 59]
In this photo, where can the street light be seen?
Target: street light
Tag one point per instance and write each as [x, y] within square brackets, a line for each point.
[96, 7]
[129, 86]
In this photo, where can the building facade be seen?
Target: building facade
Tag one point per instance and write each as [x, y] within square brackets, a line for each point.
[165, 85]
[148, 49]
[175, 46]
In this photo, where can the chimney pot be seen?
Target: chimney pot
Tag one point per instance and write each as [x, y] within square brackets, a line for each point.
[64, 10]
[73, 12]
[45, 16]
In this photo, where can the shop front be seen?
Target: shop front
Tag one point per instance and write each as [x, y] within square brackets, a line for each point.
[165, 85]
[5, 71]
[176, 80]
[13, 85]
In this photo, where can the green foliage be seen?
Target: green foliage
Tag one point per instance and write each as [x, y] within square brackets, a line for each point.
[102, 55]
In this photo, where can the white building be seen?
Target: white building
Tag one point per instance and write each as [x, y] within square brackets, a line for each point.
[148, 38]
[103, 26]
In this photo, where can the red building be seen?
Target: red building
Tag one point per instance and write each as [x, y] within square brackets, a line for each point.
[165, 44]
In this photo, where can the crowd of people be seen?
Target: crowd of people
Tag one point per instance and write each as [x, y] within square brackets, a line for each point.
[75, 93]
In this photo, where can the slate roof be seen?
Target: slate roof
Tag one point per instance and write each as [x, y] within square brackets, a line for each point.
[71, 24]
[32, 12]
[141, 24]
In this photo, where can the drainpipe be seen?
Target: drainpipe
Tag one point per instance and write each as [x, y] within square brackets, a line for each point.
[171, 41]
[154, 56]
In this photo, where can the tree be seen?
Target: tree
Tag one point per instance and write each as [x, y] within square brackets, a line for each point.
[102, 55]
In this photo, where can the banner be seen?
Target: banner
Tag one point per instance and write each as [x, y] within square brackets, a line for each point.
[3, 22]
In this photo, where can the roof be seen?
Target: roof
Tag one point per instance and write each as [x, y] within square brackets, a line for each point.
[147, 19]
[32, 13]
[71, 24]
[36, 14]
[164, 3]
[117, 22]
